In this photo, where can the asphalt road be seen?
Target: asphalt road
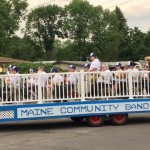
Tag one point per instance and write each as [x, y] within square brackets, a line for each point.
[65, 135]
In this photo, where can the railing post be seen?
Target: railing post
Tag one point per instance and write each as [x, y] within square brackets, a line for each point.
[39, 90]
[130, 85]
[82, 85]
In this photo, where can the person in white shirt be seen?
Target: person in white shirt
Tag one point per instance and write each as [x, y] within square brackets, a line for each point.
[119, 80]
[71, 82]
[145, 80]
[95, 63]
[32, 84]
[43, 79]
[72, 77]
[135, 77]
[54, 87]
[15, 80]
[87, 80]
[15, 83]
[104, 80]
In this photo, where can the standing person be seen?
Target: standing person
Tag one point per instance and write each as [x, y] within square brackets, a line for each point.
[94, 67]
[95, 63]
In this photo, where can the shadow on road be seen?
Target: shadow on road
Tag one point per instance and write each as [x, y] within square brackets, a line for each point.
[41, 125]
[62, 124]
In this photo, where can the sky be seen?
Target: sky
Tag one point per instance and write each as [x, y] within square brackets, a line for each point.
[137, 12]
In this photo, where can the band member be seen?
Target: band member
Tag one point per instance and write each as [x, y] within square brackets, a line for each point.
[104, 81]
[95, 63]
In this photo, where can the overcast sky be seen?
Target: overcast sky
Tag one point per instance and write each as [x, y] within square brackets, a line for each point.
[137, 12]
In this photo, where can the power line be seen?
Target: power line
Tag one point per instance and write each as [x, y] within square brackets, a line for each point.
[120, 4]
[40, 5]
[106, 2]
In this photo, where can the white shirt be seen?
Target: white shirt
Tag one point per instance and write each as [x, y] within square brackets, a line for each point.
[57, 79]
[72, 79]
[43, 78]
[119, 75]
[135, 74]
[105, 77]
[95, 64]
[15, 80]
[33, 80]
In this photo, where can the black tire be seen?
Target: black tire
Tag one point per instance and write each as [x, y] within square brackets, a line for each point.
[95, 121]
[77, 119]
[119, 119]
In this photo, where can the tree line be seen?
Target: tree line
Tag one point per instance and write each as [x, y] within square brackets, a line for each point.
[69, 33]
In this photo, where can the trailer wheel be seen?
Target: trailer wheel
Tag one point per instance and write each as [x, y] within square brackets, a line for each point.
[119, 119]
[77, 119]
[95, 121]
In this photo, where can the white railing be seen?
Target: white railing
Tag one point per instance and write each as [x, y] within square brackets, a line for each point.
[77, 86]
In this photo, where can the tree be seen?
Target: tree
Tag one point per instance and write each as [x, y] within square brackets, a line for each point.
[136, 49]
[22, 48]
[44, 25]
[77, 25]
[11, 13]
[105, 36]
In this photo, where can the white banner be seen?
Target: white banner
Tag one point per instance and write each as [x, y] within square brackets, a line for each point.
[81, 109]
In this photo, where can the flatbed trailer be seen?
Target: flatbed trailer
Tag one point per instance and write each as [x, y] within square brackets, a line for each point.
[81, 102]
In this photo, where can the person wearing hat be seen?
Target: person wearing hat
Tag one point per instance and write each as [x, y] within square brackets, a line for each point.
[54, 87]
[15, 82]
[87, 79]
[119, 80]
[135, 76]
[57, 78]
[32, 84]
[43, 78]
[95, 63]
[145, 82]
[86, 67]
[104, 80]
[71, 80]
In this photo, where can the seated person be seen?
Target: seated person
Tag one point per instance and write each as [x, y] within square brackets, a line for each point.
[14, 83]
[104, 81]
[54, 87]
[32, 84]
[71, 82]
[87, 78]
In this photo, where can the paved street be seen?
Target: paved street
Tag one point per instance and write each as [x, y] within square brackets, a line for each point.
[65, 135]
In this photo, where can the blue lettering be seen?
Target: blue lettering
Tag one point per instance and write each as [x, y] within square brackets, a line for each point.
[137, 106]
[22, 112]
[89, 110]
[127, 107]
[70, 110]
[97, 108]
[30, 112]
[49, 111]
[63, 110]
[77, 109]
[146, 106]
